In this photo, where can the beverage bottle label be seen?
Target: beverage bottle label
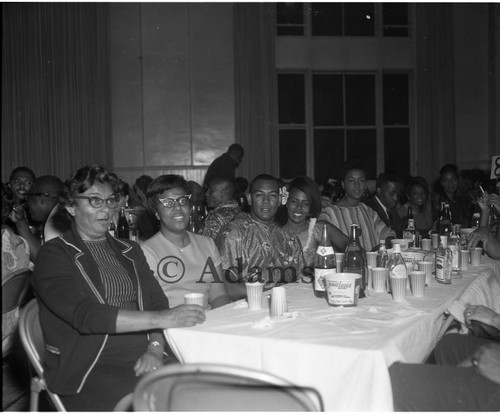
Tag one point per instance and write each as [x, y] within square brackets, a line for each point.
[399, 271]
[319, 284]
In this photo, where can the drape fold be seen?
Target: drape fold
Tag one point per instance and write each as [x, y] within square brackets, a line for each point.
[55, 87]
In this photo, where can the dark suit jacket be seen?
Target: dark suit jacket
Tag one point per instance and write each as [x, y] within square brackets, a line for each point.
[75, 318]
[396, 223]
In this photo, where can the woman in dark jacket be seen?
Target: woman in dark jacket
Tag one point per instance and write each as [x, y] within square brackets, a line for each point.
[101, 310]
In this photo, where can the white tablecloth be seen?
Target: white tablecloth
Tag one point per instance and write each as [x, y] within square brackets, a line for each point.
[342, 352]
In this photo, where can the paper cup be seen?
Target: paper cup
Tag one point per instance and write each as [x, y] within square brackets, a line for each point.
[278, 302]
[464, 259]
[426, 244]
[339, 259]
[254, 294]
[427, 267]
[417, 282]
[379, 279]
[398, 287]
[195, 298]
[475, 256]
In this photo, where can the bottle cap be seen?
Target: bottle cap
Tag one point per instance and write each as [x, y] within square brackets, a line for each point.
[397, 247]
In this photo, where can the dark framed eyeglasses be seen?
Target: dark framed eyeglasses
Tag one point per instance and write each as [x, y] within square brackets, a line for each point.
[168, 202]
[98, 202]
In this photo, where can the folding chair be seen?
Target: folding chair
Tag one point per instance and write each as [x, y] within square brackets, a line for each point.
[32, 340]
[209, 387]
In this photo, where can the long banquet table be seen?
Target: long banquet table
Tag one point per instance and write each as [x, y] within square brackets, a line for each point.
[342, 352]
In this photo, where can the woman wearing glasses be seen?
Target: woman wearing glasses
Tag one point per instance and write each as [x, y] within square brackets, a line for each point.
[101, 310]
[183, 262]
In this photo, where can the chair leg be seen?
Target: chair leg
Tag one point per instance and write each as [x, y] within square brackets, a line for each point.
[35, 389]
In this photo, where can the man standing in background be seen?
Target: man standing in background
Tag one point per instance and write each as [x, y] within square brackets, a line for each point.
[223, 166]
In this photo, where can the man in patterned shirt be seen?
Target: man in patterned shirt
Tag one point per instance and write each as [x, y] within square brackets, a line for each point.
[219, 196]
[253, 247]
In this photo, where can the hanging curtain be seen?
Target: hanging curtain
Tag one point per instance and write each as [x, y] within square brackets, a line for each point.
[55, 87]
[255, 89]
[435, 83]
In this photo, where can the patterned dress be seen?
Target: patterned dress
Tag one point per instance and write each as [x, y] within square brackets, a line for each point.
[250, 248]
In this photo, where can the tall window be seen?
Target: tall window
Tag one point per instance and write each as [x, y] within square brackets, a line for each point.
[342, 19]
[328, 119]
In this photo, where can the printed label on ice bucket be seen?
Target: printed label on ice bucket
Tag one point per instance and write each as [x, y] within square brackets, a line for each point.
[342, 289]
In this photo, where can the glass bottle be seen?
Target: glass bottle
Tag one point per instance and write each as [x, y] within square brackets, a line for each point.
[410, 231]
[445, 222]
[193, 220]
[443, 261]
[112, 229]
[397, 265]
[455, 246]
[475, 220]
[122, 228]
[324, 263]
[382, 255]
[354, 259]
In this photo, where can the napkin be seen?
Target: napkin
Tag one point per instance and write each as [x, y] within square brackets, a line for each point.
[265, 323]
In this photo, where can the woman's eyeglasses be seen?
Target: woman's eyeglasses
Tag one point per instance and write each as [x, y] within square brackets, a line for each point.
[168, 202]
[97, 202]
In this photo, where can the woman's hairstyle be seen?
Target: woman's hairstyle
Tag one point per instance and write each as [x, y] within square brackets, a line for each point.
[142, 183]
[310, 188]
[20, 169]
[85, 177]
[8, 200]
[163, 183]
[122, 187]
[417, 181]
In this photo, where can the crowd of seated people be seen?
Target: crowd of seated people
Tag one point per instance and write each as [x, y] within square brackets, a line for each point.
[112, 297]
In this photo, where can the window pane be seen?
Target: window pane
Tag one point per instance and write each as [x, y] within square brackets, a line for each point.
[397, 150]
[362, 150]
[360, 99]
[396, 31]
[292, 153]
[326, 19]
[291, 101]
[327, 100]
[395, 96]
[359, 19]
[290, 30]
[328, 154]
[395, 14]
[289, 13]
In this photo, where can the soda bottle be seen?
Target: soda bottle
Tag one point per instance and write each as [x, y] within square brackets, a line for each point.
[382, 256]
[354, 259]
[445, 222]
[410, 231]
[397, 265]
[324, 263]
[443, 261]
[122, 227]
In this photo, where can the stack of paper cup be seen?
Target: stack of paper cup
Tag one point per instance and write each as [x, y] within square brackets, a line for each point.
[379, 279]
[254, 294]
[417, 281]
[435, 240]
[195, 298]
[427, 267]
[278, 301]
[475, 256]
[371, 261]
[398, 287]
[464, 259]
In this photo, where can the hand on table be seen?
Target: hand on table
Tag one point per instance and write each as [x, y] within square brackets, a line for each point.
[486, 361]
[186, 315]
[481, 234]
[148, 362]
